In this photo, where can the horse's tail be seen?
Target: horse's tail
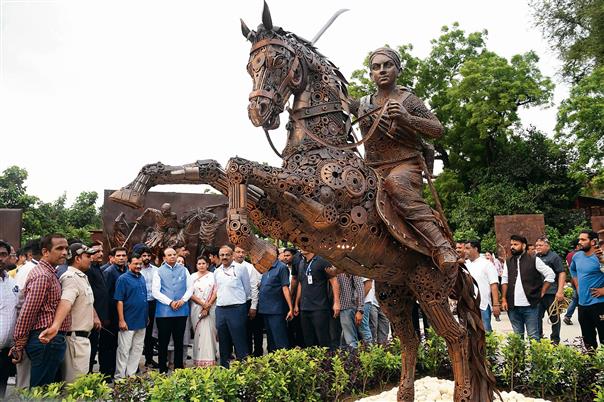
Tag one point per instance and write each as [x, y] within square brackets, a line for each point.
[468, 310]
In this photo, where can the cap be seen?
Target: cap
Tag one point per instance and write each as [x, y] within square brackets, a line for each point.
[76, 249]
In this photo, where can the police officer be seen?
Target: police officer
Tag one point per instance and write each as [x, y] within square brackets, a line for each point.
[76, 299]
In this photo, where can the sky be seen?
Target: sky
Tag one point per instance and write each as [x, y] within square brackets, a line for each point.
[90, 91]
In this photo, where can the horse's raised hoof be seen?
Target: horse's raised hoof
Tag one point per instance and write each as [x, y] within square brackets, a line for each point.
[128, 197]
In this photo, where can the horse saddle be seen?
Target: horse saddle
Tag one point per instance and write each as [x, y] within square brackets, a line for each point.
[400, 229]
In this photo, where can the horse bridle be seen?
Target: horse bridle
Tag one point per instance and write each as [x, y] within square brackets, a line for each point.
[288, 78]
[311, 111]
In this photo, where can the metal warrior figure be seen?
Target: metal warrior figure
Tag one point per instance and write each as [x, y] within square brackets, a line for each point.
[327, 200]
[165, 230]
[203, 223]
[395, 151]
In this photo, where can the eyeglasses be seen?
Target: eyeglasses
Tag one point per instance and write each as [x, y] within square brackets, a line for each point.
[3, 254]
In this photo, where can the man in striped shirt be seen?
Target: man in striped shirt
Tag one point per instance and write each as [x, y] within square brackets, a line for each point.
[42, 295]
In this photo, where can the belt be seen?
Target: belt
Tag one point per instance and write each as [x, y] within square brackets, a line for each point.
[83, 334]
[42, 329]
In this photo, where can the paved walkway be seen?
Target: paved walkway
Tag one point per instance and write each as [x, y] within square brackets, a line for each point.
[567, 332]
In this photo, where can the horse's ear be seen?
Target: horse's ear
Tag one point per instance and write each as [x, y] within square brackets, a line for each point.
[266, 18]
[245, 30]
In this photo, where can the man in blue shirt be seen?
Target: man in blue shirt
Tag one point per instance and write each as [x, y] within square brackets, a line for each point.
[131, 297]
[108, 336]
[275, 305]
[232, 291]
[587, 270]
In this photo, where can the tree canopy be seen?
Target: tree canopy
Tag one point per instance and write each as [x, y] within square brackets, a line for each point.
[575, 30]
[492, 165]
[42, 218]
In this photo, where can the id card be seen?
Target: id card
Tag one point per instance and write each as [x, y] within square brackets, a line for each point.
[309, 279]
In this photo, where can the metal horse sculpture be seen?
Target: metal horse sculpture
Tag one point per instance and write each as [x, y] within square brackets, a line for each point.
[323, 199]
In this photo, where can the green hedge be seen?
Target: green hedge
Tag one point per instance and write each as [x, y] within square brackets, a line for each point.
[538, 369]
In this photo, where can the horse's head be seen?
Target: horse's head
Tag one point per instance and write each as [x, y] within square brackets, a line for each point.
[275, 68]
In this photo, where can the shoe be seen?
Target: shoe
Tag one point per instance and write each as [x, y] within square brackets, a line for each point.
[151, 363]
[567, 321]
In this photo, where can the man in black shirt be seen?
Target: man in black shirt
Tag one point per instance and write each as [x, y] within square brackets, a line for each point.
[312, 302]
[293, 258]
[99, 290]
[555, 291]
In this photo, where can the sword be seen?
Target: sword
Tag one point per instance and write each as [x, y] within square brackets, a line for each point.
[327, 25]
[130, 234]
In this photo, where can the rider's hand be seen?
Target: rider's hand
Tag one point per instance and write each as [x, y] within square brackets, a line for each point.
[396, 111]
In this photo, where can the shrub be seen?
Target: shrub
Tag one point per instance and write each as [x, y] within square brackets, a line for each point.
[543, 373]
[571, 363]
[561, 373]
[340, 378]
[89, 387]
[432, 354]
[134, 388]
[50, 391]
[513, 352]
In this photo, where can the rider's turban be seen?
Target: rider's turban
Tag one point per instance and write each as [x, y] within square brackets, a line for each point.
[386, 51]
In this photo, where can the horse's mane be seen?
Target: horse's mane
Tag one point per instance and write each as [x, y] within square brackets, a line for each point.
[306, 51]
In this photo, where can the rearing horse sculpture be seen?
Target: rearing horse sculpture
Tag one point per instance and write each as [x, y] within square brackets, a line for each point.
[323, 199]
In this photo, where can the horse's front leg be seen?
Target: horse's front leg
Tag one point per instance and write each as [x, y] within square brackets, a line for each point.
[239, 227]
[201, 172]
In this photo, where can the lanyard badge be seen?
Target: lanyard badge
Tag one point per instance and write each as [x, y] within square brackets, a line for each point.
[309, 272]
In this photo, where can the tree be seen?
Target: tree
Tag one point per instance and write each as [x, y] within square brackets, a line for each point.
[41, 218]
[580, 127]
[475, 93]
[12, 189]
[575, 30]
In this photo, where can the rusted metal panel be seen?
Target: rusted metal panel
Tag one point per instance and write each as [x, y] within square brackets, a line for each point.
[530, 226]
[182, 203]
[597, 224]
[11, 222]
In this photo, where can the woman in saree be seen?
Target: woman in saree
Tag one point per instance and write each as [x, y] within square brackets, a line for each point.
[203, 319]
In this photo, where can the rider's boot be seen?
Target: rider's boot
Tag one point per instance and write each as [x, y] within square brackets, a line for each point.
[443, 253]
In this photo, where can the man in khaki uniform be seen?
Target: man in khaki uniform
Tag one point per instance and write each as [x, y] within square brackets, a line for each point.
[77, 299]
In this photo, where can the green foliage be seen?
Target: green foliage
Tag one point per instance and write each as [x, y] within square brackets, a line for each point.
[477, 95]
[134, 388]
[432, 354]
[517, 184]
[542, 373]
[561, 244]
[340, 378]
[580, 126]
[91, 387]
[571, 363]
[42, 218]
[561, 373]
[514, 357]
[575, 30]
[48, 392]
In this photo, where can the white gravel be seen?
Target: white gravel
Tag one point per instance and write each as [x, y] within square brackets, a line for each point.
[430, 389]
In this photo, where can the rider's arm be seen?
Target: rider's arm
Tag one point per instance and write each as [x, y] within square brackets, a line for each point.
[420, 119]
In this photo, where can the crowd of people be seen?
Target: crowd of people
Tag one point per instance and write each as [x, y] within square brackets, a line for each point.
[62, 309]
[531, 283]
